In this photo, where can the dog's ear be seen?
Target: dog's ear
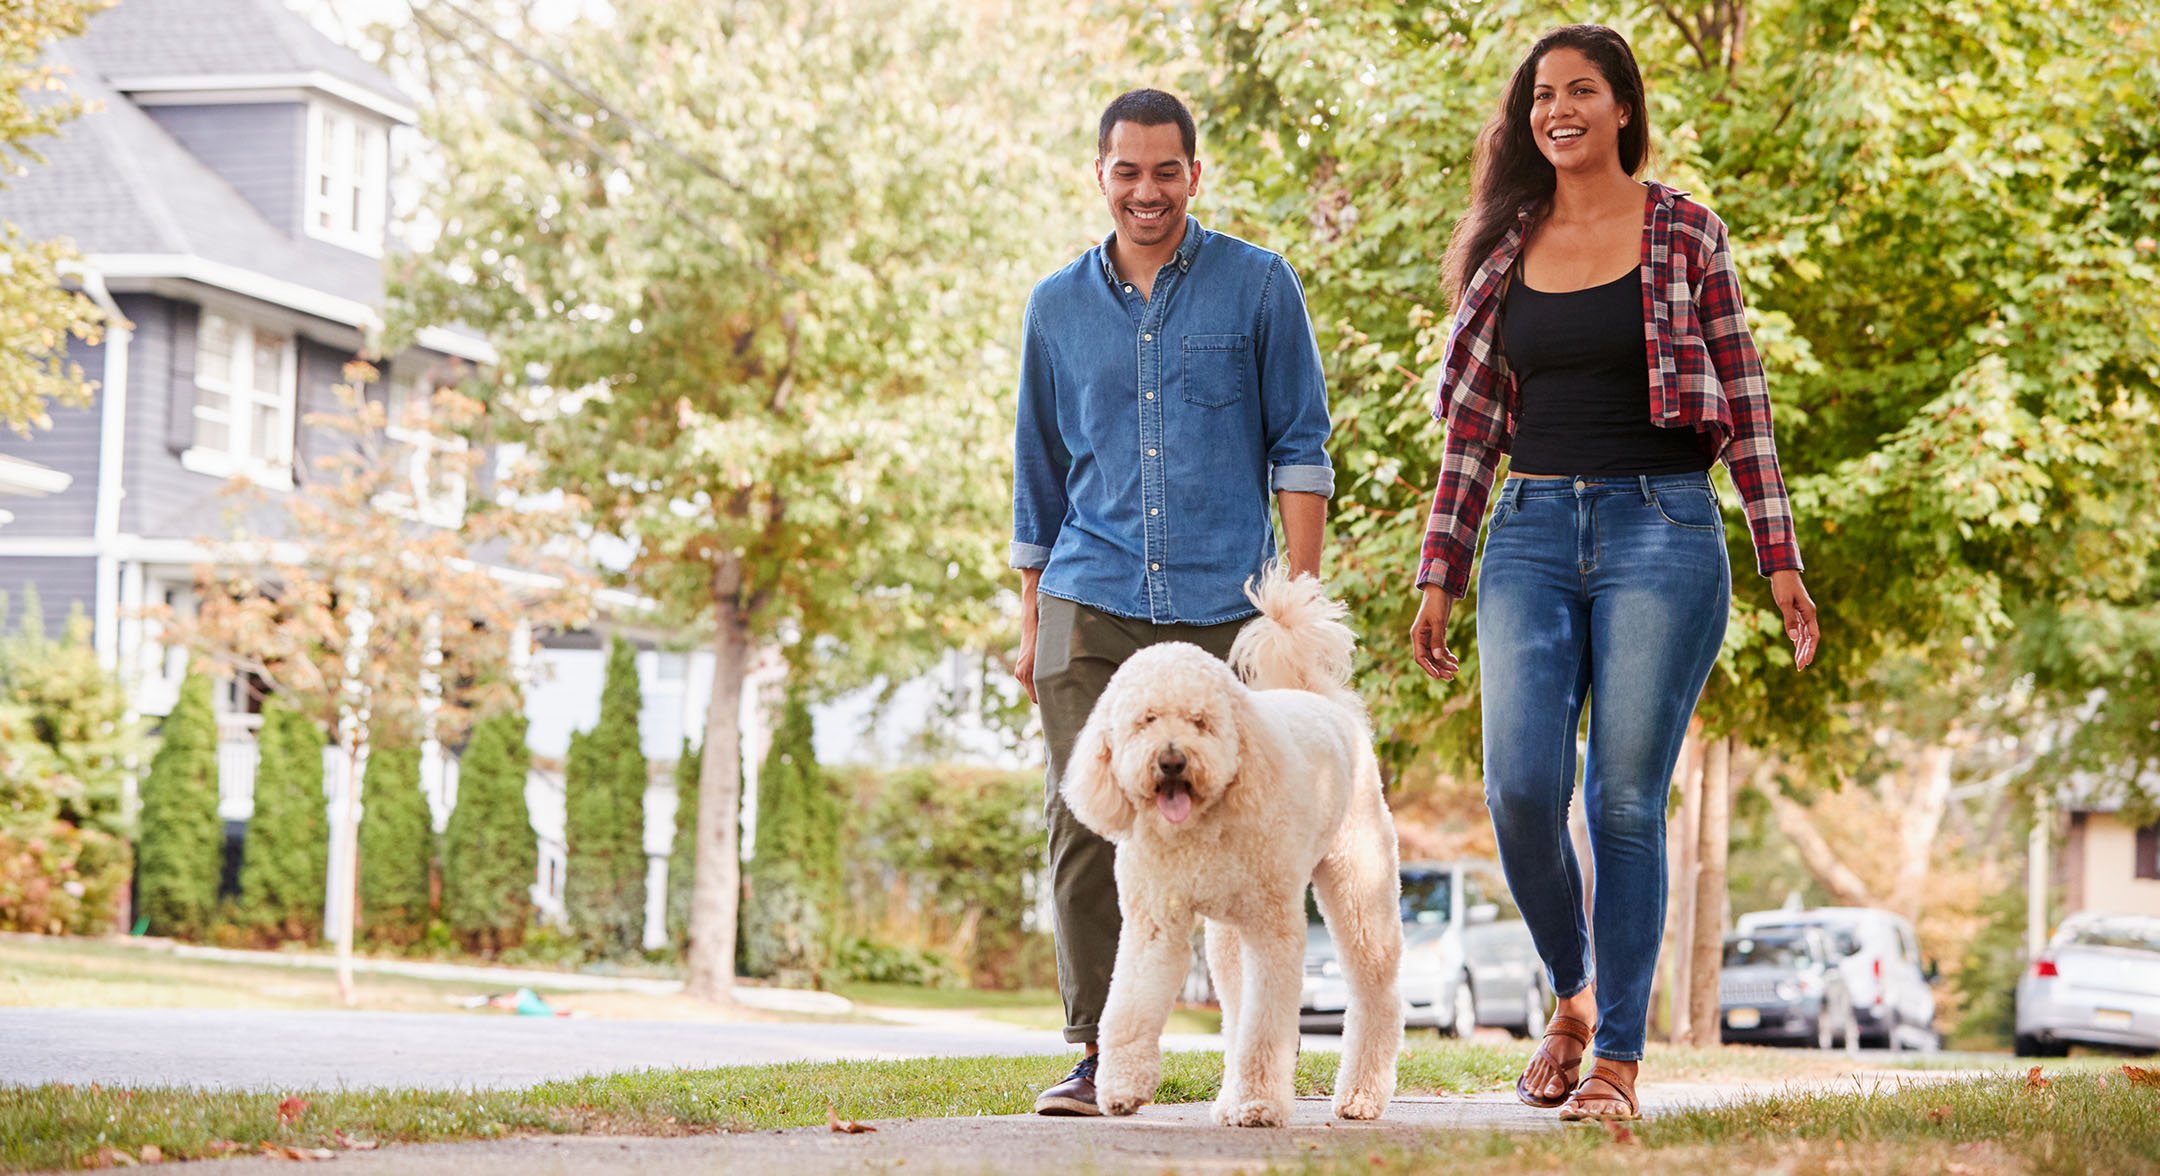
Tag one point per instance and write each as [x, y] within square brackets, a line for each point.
[1090, 788]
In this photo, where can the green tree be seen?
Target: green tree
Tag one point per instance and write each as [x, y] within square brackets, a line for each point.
[180, 853]
[76, 711]
[285, 856]
[38, 312]
[744, 246]
[969, 842]
[792, 897]
[604, 786]
[397, 845]
[682, 853]
[490, 855]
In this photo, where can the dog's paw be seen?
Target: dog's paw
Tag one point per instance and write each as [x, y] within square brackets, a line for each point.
[1360, 1104]
[1123, 1085]
[1258, 1112]
[1224, 1112]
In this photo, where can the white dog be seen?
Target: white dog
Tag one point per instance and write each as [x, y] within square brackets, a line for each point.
[1224, 801]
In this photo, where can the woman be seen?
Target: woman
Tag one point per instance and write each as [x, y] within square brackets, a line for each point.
[1599, 341]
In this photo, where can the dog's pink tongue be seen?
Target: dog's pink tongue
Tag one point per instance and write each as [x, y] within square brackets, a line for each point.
[1175, 803]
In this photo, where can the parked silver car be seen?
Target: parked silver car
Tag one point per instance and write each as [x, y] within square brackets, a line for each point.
[1467, 957]
[1891, 983]
[2098, 983]
[1784, 987]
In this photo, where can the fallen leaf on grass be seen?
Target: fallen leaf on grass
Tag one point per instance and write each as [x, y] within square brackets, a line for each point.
[1939, 1115]
[289, 1111]
[1619, 1132]
[281, 1151]
[844, 1126]
[2141, 1076]
[152, 1154]
[350, 1144]
[109, 1156]
[2034, 1080]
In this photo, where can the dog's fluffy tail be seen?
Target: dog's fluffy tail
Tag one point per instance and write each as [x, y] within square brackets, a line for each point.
[1298, 642]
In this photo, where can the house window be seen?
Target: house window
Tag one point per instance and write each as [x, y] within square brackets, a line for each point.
[430, 482]
[2148, 852]
[246, 384]
[348, 168]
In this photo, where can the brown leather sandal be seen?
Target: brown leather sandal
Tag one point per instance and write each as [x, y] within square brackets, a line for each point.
[1618, 1087]
[1562, 1026]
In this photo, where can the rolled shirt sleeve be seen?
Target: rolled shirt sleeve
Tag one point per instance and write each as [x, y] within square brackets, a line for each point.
[1293, 390]
[1040, 459]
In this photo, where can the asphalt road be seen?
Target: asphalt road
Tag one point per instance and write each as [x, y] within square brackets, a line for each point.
[264, 1050]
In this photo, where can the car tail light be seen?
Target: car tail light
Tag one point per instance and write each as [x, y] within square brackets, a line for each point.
[2045, 968]
[1878, 980]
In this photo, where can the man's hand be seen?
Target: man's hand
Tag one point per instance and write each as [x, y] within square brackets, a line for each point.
[1428, 635]
[1799, 612]
[1030, 617]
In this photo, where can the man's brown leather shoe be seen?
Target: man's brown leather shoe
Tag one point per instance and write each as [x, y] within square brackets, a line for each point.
[1075, 1095]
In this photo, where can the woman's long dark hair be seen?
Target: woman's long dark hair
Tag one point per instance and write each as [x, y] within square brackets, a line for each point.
[1507, 169]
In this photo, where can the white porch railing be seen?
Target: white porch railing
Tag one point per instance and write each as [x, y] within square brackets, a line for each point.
[237, 756]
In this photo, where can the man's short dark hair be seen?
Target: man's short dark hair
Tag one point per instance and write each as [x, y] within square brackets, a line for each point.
[1148, 108]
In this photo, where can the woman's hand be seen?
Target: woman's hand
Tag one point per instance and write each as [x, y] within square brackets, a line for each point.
[1799, 610]
[1428, 635]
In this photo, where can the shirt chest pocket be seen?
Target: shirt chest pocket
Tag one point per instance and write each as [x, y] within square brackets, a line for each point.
[1215, 370]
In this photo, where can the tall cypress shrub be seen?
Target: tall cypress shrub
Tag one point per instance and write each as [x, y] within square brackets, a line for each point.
[490, 855]
[604, 784]
[181, 849]
[285, 857]
[682, 855]
[396, 846]
[789, 912]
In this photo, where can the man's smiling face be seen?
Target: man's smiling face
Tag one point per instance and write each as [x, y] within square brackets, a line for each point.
[1148, 180]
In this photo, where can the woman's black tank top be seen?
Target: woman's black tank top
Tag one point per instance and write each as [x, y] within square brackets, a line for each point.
[1579, 360]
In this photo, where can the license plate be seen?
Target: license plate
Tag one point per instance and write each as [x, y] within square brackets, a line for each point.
[1743, 1018]
[2111, 1018]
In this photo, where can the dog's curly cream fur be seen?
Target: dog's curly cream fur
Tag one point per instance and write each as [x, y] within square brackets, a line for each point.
[1280, 788]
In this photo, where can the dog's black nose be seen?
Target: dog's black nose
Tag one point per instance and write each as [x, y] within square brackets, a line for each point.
[1170, 762]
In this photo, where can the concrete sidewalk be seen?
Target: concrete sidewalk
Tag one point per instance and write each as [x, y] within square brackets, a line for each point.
[1180, 1139]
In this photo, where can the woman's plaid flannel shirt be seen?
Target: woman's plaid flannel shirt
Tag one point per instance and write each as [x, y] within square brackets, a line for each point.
[1704, 374]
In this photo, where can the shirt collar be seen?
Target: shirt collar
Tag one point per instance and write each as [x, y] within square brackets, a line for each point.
[1187, 249]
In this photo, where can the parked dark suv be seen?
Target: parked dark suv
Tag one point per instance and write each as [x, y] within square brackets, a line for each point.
[1782, 986]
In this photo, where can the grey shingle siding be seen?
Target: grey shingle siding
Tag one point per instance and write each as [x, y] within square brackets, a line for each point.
[70, 446]
[261, 150]
[62, 583]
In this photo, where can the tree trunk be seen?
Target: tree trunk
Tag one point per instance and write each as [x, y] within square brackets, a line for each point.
[345, 874]
[1683, 830]
[1816, 852]
[1921, 821]
[716, 892]
[1708, 945]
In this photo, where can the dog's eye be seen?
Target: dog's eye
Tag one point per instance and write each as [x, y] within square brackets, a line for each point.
[1200, 725]
[1146, 719]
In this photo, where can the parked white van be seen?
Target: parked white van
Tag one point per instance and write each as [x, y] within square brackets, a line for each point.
[1892, 986]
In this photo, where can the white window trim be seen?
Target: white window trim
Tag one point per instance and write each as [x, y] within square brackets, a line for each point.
[373, 172]
[241, 397]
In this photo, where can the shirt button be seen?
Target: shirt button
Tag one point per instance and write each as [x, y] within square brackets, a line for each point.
[1151, 396]
[1151, 453]
[1128, 289]
[1154, 567]
[1154, 510]
[1147, 338]
[1580, 484]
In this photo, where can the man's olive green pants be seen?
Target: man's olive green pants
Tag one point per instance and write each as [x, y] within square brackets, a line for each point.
[1077, 649]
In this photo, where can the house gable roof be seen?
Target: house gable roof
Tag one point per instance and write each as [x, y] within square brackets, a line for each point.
[219, 40]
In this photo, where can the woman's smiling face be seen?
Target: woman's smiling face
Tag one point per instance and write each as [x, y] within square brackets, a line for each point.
[1574, 116]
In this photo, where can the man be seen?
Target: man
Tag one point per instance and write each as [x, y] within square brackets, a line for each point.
[1169, 382]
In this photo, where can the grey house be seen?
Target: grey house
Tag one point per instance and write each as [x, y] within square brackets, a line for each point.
[231, 197]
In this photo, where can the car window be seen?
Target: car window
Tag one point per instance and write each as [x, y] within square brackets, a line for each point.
[1755, 951]
[2140, 934]
[1425, 896]
[1907, 949]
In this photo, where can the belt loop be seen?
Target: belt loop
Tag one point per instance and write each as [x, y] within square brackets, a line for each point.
[1514, 493]
[1649, 496]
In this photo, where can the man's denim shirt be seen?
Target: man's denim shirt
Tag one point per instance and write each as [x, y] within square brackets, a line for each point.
[1151, 432]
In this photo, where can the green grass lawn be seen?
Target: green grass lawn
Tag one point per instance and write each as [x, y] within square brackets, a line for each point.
[2079, 1122]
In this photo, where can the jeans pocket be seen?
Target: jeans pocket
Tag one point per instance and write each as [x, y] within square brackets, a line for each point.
[1501, 513]
[1690, 509]
[1215, 369]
